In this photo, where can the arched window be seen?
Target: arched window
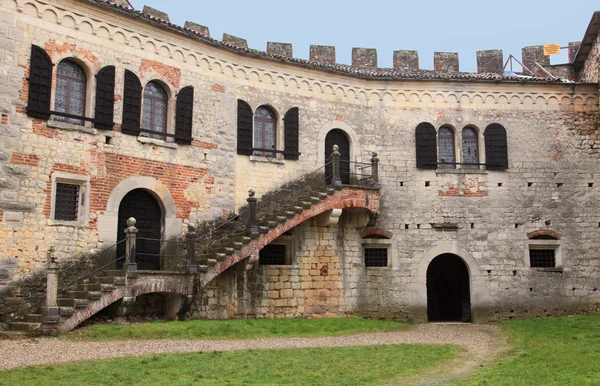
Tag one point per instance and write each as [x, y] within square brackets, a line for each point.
[470, 148]
[70, 91]
[264, 131]
[154, 115]
[446, 148]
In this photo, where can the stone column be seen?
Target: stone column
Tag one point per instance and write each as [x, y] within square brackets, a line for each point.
[335, 163]
[375, 171]
[130, 243]
[51, 311]
[252, 227]
[191, 250]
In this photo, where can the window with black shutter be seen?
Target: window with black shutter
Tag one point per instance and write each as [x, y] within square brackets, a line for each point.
[40, 84]
[496, 149]
[291, 135]
[154, 115]
[446, 148]
[105, 98]
[69, 95]
[425, 136]
[132, 104]
[265, 132]
[184, 115]
[244, 128]
[66, 204]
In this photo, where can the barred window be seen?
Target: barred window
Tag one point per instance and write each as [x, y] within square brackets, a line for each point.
[446, 148]
[542, 258]
[376, 257]
[66, 204]
[70, 91]
[272, 255]
[470, 148]
[264, 131]
[154, 115]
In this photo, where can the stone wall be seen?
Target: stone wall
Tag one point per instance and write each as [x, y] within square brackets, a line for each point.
[551, 182]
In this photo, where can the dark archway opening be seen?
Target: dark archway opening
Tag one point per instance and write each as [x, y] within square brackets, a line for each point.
[142, 206]
[448, 290]
[340, 138]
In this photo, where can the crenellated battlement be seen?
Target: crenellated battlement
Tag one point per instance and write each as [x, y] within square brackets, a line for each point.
[365, 60]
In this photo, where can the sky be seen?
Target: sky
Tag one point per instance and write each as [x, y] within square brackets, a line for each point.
[463, 26]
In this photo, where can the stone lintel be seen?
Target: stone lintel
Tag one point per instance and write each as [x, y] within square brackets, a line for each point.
[364, 57]
[281, 49]
[322, 54]
[230, 39]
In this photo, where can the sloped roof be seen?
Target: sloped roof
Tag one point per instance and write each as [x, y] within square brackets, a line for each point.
[360, 72]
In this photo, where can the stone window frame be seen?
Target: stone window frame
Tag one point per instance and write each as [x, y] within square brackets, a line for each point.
[84, 198]
[378, 243]
[286, 240]
[556, 245]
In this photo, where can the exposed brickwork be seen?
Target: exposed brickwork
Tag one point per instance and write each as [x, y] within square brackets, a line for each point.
[4, 119]
[168, 73]
[471, 187]
[445, 61]
[281, 49]
[25, 159]
[218, 88]
[40, 128]
[364, 57]
[322, 54]
[490, 61]
[406, 60]
[204, 145]
[543, 232]
[376, 232]
[60, 50]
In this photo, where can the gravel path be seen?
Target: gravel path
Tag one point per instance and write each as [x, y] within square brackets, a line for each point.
[482, 343]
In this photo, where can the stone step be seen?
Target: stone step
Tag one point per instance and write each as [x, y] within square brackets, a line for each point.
[304, 204]
[263, 230]
[236, 245]
[34, 318]
[330, 191]
[66, 311]
[322, 196]
[314, 200]
[288, 214]
[65, 302]
[114, 272]
[81, 303]
[78, 294]
[89, 287]
[240, 239]
[220, 256]
[24, 326]
[202, 268]
[269, 224]
[95, 295]
[103, 280]
[297, 209]
[12, 335]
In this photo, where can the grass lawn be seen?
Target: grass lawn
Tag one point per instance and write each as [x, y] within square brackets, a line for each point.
[235, 329]
[365, 365]
[553, 351]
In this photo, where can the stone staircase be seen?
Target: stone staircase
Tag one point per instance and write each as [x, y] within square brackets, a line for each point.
[234, 242]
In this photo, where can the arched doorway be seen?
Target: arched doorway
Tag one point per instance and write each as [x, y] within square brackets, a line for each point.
[338, 137]
[448, 290]
[141, 205]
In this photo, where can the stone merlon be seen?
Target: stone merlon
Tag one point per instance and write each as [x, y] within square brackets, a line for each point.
[445, 61]
[155, 14]
[490, 61]
[197, 28]
[322, 54]
[230, 39]
[281, 49]
[406, 60]
[364, 57]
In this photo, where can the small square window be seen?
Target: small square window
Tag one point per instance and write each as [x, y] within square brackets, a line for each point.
[66, 204]
[542, 258]
[376, 257]
[273, 254]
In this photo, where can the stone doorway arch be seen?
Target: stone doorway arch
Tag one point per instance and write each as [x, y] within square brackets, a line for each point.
[448, 290]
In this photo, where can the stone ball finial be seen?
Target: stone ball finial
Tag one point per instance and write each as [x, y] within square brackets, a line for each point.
[131, 222]
[336, 148]
[191, 228]
[251, 193]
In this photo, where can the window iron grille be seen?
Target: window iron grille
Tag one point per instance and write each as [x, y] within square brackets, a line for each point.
[542, 258]
[66, 204]
[272, 255]
[376, 257]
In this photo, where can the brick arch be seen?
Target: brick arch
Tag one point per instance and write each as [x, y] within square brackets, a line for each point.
[347, 198]
[543, 233]
[142, 285]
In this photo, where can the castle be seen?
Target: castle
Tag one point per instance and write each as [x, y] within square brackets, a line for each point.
[449, 196]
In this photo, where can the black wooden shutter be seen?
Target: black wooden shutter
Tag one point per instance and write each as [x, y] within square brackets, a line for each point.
[132, 104]
[40, 84]
[244, 129]
[426, 146]
[496, 148]
[105, 98]
[290, 125]
[184, 115]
